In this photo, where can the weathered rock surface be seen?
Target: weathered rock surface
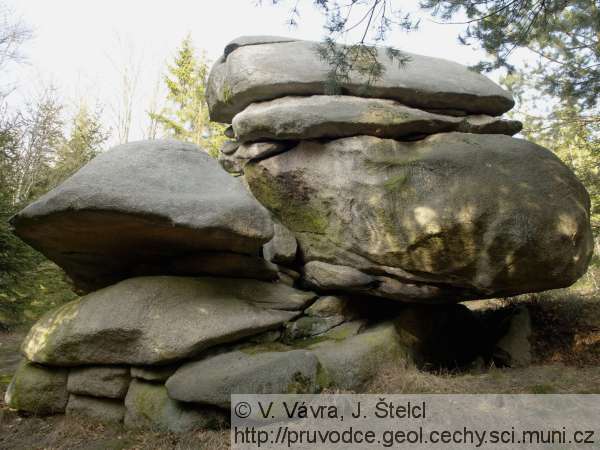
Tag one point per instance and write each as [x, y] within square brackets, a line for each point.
[229, 133]
[350, 363]
[38, 389]
[100, 409]
[444, 219]
[254, 369]
[231, 164]
[346, 329]
[253, 40]
[323, 315]
[254, 73]
[149, 406]
[282, 248]
[153, 373]
[156, 320]
[229, 147]
[234, 160]
[332, 306]
[337, 116]
[259, 150]
[306, 327]
[333, 278]
[142, 204]
[216, 263]
[111, 382]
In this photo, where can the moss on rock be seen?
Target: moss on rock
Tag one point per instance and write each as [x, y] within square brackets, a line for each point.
[37, 389]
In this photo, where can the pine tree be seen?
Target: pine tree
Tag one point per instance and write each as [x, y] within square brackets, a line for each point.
[84, 142]
[186, 115]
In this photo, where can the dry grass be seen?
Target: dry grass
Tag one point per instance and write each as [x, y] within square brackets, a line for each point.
[59, 432]
[544, 379]
[565, 345]
[566, 326]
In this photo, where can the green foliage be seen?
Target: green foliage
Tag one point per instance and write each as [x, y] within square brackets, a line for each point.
[357, 60]
[85, 141]
[35, 156]
[372, 20]
[564, 34]
[15, 258]
[186, 116]
[39, 131]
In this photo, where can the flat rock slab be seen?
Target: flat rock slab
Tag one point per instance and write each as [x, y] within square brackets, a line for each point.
[307, 327]
[254, 73]
[451, 217]
[336, 116]
[101, 409]
[259, 150]
[111, 382]
[142, 204]
[37, 389]
[157, 320]
[149, 406]
[252, 370]
[253, 40]
[325, 277]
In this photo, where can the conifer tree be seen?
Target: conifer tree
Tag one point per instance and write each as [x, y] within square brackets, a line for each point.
[186, 115]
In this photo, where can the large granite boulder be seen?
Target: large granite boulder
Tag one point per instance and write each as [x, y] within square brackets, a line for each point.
[443, 219]
[137, 208]
[336, 116]
[266, 70]
[157, 320]
[37, 389]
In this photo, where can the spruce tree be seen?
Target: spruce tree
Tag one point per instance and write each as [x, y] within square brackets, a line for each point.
[186, 115]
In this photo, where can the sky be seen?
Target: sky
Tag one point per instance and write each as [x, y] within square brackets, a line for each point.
[82, 46]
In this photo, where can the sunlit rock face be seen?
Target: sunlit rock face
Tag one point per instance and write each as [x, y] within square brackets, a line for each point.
[446, 218]
[336, 116]
[267, 68]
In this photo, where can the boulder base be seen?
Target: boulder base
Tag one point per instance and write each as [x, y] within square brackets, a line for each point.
[37, 389]
[149, 406]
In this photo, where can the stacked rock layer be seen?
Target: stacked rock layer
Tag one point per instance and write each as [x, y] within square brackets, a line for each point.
[409, 188]
[358, 224]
